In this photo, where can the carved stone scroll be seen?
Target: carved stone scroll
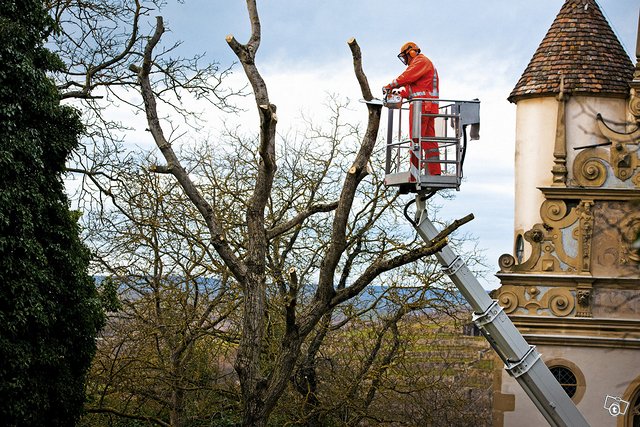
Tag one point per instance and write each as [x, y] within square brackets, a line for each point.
[537, 301]
[561, 244]
[590, 167]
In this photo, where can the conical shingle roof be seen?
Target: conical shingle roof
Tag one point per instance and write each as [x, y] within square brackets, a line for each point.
[581, 46]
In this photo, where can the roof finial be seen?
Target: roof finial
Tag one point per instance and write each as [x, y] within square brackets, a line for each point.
[559, 170]
[637, 73]
[634, 99]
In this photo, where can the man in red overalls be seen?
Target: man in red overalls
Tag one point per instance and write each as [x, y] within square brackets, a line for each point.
[420, 80]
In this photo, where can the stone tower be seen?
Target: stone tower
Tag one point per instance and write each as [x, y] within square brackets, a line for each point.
[572, 285]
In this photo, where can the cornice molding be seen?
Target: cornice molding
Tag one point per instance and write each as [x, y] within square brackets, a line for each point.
[582, 341]
[556, 280]
[580, 331]
[580, 193]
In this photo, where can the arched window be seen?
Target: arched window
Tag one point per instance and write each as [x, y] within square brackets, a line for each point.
[569, 376]
[633, 413]
[566, 378]
[519, 248]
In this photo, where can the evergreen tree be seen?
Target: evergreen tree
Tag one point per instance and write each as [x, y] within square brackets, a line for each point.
[49, 309]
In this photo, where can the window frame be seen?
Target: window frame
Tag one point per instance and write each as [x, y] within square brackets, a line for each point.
[581, 384]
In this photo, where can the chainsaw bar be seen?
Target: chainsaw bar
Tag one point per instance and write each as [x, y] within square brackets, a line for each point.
[374, 101]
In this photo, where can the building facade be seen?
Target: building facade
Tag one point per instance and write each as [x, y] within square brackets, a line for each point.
[572, 284]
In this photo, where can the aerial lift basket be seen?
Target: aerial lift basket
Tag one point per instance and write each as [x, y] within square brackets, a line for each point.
[407, 166]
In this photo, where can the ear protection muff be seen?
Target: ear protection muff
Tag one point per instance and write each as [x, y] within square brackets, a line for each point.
[408, 51]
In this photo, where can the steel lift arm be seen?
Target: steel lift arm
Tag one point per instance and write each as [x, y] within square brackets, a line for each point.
[522, 361]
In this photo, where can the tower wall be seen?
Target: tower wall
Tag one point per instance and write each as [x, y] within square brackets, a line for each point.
[533, 158]
[572, 285]
[534, 154]
[582, 127]
[598, 378]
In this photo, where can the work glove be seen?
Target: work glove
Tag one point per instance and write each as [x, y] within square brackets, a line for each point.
[388, 89]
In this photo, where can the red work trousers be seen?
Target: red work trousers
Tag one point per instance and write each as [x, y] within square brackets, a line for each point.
[429, 148]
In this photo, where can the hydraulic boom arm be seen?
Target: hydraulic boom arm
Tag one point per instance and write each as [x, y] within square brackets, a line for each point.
[522, 361]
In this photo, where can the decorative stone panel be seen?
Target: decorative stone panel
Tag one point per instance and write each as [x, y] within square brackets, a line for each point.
[582, 237]
[537, 300]
[562, 243]
[615, 229]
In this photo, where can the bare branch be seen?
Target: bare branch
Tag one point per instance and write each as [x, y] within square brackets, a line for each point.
[356, 173]
[161, 169]
[88, 85]
[206, 210]
[357, 66]
[381, 266]
[299, 219]
[129, 416]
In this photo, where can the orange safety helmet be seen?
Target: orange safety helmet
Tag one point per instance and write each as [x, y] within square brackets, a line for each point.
[408, 50]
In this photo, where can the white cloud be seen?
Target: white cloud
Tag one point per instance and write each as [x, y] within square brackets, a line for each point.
[480, 49]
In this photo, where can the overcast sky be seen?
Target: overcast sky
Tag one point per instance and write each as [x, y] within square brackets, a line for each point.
[480, 47]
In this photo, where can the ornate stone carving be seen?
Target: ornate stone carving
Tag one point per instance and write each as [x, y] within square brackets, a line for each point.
[629, 232]
[634, 104]
[615, 229]
[506, 262]
[584, 210]
[533, 300]
[553, 210]
[509, 301]
[559, 170]
[623, 161]
[583, 296]
[614, 136]
[561, 244]
[589, 167]
[592, 166]
[634, 98]
[535, 237]
[561, 302]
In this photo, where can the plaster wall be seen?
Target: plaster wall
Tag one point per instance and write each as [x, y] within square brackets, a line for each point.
[582, 126]
[535, 137]
[536, 123]
[606, 372]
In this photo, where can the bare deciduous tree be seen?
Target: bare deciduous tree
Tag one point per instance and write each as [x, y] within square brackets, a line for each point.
[98, 40]
[262, 385]
[296, 234]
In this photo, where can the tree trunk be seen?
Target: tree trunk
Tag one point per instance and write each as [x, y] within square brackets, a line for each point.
[247, 363]
[176, 413]
[262, 386]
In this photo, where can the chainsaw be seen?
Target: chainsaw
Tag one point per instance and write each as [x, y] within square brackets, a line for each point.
[390, 99]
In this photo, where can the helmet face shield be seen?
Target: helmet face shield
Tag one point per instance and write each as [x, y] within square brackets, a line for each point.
[406, 52]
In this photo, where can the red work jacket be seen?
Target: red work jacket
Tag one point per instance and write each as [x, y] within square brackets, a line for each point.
[420, 80]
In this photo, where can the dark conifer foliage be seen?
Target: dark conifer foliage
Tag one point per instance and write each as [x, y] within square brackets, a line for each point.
[49, 309]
